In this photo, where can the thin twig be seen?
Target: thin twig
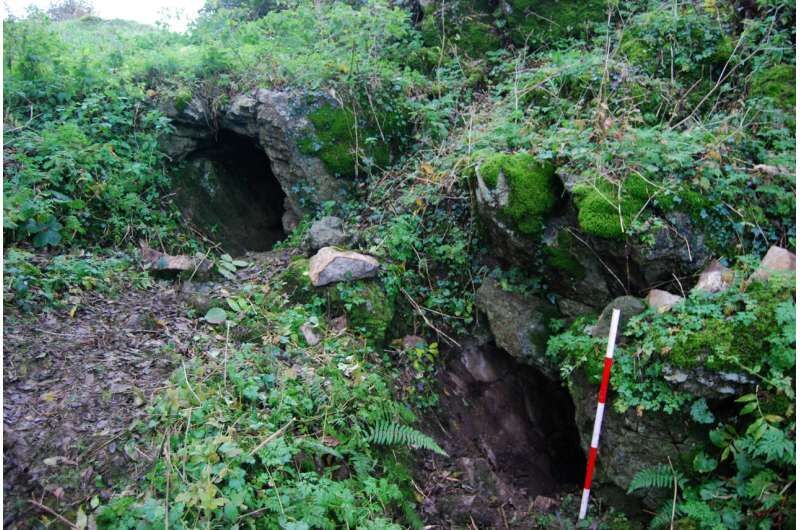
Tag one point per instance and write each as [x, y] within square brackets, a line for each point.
[53, 513]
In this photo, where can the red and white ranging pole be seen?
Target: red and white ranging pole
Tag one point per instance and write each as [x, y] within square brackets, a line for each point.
[598, 418]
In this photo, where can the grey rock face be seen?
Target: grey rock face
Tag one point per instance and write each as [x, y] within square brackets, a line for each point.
[326, 232]
[330, 265]
[707, 383]
[277, 121]
[629, 306]
[518, 323]
[631, 441]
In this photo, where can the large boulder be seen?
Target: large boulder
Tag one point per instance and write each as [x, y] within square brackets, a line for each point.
[519, 324]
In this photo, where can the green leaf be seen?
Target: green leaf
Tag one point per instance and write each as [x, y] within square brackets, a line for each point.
[700, 412]
[47, 237]
[704, 463]
[216, 315]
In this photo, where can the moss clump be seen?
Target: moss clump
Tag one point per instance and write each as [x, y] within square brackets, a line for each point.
[776, 83]
[737, 329]
[561, 258]
[604, 209]
[182, 98]
[334, 142]
[532, 21]
[296, 282]
[468, 27]
[369, 309]
[531, 188]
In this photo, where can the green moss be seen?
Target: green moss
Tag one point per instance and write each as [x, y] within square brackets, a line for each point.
[561, 258]
[776, 83]
[726, 339]
[333, 141]
[532, 21]
[467, 25]
[531, 188]
[296, 283]
[182, 98]
[601, 208]
[369, 309]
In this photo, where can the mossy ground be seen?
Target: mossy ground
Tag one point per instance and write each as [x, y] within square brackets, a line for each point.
[776, 83]
[534, 21]
[531, 188]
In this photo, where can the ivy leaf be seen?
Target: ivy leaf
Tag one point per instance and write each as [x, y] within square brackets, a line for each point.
[216, 315]
[700, 412]
[703, 463]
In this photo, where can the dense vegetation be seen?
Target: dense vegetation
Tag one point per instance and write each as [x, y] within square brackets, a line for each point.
[626, 112]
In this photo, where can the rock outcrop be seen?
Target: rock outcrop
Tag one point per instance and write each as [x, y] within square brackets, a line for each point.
[519, 324]
[278, 122]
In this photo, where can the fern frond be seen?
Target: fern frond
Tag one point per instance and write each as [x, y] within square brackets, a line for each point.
[663, 517]
[385, 433]
[652, 477]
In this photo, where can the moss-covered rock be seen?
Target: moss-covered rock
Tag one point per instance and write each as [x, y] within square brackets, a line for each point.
[334, 142]
[531, 188]
[606, 211]
[537, 21]
[776, 83]
[369, 309]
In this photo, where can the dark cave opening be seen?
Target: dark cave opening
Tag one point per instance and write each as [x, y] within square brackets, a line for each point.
[228, 192]
[509, 430]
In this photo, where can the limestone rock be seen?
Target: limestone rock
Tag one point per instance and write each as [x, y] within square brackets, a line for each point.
[277, 120]
[715, 278]
[629, 306]
[776, 260]
[160, 262]
[326, 232]
[709, 384]
[518, 323]
[662, 301]
[330, 265]
[633, 440]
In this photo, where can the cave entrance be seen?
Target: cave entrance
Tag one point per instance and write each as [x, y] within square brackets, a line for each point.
[227, 191]
[511, 436]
